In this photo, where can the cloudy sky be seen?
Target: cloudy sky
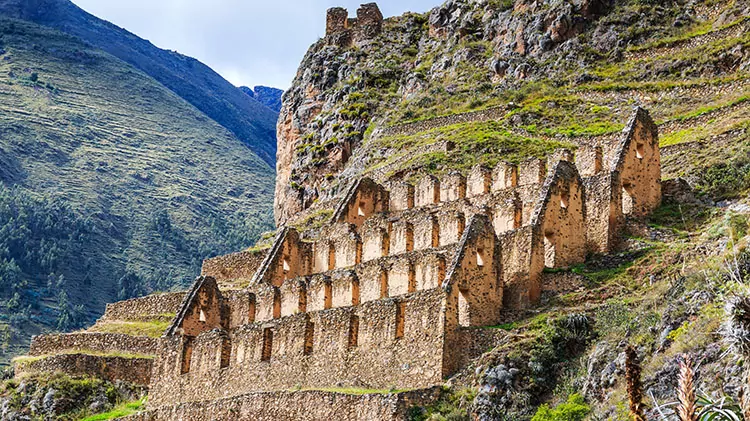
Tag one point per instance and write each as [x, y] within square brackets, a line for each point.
[249, 42]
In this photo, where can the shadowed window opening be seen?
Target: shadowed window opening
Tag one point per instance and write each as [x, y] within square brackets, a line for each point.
[564, 198]
[353, 332]
[251, 310]
[309, 337]
[640, 150]
[384, 284]
[480, 257]
[400, 310]
[187, 355]
[226, 352]
[331, 257]
[276, 303]
[328, 296]
[267, 344]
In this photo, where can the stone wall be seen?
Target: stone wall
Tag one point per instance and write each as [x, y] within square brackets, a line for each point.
[233, 267]
[374, 345]
[344, 31]
[92, 342]
[145, 308]
[299, 406]
[131, 370]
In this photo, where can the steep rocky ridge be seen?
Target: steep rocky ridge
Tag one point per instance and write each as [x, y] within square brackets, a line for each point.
[270, 97]
[190, 79]
[552, 71]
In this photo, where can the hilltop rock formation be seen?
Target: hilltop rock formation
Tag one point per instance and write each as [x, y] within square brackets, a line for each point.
[365, 70]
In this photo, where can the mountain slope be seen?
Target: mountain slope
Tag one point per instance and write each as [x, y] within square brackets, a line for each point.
[270, 97]
[132, 186]
[192, 80]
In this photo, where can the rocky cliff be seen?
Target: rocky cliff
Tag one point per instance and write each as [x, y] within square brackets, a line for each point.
[352, 87]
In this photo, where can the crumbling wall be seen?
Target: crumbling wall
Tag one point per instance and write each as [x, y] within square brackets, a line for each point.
[560, 217]
[364, 198]
[637, 160]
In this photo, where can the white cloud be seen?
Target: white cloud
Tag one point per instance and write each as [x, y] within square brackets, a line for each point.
[249, 42]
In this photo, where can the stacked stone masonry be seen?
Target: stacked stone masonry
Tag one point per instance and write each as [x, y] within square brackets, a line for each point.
[298, 406]
[391, 291]
[345, 32]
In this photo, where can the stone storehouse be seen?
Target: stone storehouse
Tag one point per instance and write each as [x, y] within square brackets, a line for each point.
[388, 292]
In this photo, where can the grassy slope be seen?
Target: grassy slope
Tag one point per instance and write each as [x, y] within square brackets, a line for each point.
[196, 83]
[80, 125]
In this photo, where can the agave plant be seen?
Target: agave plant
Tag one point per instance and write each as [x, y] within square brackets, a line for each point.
[736, 327]
[725, 409]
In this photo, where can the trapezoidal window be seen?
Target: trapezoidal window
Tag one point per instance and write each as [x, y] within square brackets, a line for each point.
[331, 256]
[409, 231]
[400, 310]
[328, 295]
[355, 292]
[480, 257]
[384, 284]
[353, 331]
[202, 316]
[640, 150]
[251, 308]
[302, 304]
[226, 352]
[361, 209]
[309, 337]
[286, 266]
[549, 250]
[187, 355]
[463, 308]
[627, 199]
[564, 198]
[276, 303]
[267, 344]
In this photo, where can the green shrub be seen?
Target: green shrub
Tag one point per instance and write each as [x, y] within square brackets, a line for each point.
[575, 409]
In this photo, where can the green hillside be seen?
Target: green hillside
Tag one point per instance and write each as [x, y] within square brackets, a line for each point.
[106, 176]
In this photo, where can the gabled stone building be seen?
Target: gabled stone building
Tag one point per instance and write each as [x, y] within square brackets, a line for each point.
[387, 293]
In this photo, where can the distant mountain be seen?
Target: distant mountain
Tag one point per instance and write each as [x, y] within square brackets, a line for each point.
[247, 118]
[270, 97]
[111, 185]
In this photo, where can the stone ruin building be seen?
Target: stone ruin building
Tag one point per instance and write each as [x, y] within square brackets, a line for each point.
[344, 31]
[389, 293]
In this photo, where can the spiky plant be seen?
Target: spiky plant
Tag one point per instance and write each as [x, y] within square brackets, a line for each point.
[686, 408]
[736, 326]
[634, 385]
